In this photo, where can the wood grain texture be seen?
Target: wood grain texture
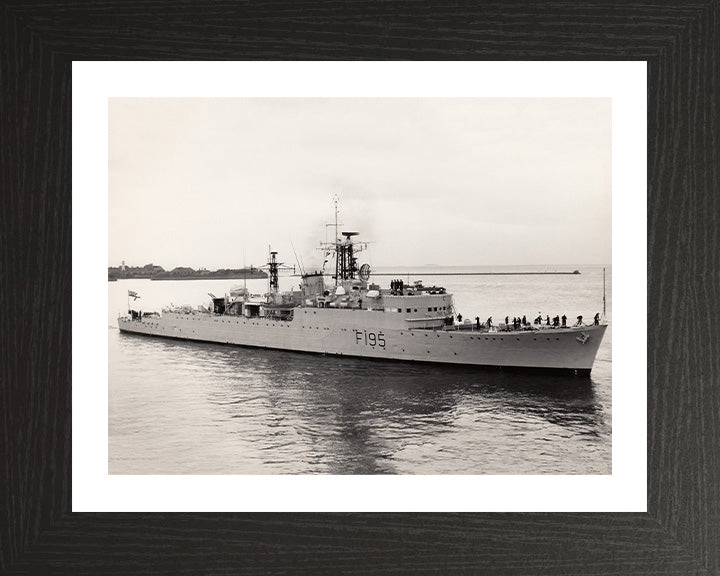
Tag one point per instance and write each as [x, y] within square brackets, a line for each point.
[681, 532]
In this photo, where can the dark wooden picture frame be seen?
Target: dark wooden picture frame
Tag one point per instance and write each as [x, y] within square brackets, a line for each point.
[680, 533]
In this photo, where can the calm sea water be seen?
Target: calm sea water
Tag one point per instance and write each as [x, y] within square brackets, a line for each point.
[195, 408]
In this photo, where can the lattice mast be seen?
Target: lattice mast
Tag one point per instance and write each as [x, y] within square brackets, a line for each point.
[274, 267]
[346, 266]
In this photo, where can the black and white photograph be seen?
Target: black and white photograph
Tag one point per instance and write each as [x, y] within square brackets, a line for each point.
[227, 232]
[360, 286]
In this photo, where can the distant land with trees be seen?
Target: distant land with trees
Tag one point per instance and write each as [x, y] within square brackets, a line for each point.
[154, 272]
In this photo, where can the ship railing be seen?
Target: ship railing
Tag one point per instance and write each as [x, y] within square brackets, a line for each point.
[502, 327]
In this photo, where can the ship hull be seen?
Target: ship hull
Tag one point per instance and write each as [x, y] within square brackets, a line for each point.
[369, 334]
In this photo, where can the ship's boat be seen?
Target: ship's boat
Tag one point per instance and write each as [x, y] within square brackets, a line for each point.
[348, 315]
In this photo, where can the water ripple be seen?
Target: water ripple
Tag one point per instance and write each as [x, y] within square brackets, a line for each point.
[191, 408]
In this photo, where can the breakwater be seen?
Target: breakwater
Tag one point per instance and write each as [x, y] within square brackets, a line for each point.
[426, 273]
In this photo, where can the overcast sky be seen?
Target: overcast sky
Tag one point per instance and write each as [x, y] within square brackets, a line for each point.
[212, 182]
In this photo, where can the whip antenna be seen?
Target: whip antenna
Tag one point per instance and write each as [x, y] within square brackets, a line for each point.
[603, 293]
[302, 270]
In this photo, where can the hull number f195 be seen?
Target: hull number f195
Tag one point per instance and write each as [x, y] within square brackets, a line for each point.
[370, 338]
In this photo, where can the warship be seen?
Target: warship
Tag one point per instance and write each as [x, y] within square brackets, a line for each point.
[346, 314]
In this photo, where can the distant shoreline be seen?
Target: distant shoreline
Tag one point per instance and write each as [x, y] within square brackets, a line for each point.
[156, 273]
[252, 276]
[397, 274]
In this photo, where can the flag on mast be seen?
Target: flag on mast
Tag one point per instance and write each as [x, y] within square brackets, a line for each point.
[133, 295]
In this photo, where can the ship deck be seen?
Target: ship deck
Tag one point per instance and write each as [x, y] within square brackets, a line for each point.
[483, 329]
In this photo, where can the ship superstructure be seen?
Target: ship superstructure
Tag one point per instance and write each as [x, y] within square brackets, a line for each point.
[347, 314]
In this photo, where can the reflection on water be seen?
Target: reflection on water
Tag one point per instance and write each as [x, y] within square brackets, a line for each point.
[222, 409]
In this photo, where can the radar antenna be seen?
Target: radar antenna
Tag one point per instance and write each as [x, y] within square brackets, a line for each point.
[364, 272]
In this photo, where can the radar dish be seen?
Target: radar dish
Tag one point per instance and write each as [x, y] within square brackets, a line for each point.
[365, 272]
